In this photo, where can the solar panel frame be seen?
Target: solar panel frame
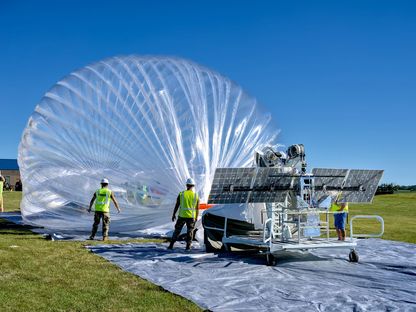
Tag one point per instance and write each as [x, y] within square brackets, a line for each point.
[238, 178]
[271, 185]
[326, 180]
[250, 185]
[357, 185]
[361, 185]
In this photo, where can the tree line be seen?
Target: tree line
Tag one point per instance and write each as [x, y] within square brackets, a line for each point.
[390, 188]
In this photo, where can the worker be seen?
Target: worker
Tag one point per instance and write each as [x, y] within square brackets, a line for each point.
[340, 211]
[188, 204]
[1, 193]
[102, 209]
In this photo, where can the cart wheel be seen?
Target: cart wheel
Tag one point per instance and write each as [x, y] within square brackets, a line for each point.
[353, 256]
[270, 260]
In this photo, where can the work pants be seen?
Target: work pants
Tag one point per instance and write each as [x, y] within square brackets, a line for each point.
[106, 222]
[190, 225]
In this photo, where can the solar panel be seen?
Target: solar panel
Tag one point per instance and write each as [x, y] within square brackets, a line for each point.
[357, 186]
[231, 185]
[361, 185]
[250, 185]
[271, 185]
[327, 180]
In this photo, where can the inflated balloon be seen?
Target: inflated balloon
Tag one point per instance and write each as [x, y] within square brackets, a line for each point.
[146, 124]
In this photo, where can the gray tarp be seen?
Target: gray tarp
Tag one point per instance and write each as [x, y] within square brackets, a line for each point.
[322, 280]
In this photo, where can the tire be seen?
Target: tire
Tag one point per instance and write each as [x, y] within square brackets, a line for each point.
[225, 248]
[353, 256]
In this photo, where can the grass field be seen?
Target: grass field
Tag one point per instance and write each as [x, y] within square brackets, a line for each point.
[41, 275]
[399, 214]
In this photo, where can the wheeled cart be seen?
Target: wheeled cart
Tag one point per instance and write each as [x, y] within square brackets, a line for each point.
[272, 241]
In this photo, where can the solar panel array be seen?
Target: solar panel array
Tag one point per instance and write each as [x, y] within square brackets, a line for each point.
[269, 185]
[357, 186]
[250, 185]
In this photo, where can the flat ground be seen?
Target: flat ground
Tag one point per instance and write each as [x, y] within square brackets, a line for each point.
[41, 275]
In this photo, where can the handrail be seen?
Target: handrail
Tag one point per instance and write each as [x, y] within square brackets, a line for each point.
[213, 228]
[225, 228]
[378, 218]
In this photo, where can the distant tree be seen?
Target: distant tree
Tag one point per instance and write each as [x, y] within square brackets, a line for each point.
[387, 188]
[411, 188]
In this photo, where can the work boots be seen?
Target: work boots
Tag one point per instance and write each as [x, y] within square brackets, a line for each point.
[188, 247]
[105, 238]
[171, 245]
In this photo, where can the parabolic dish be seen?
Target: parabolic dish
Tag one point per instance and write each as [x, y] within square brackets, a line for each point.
[146, 124]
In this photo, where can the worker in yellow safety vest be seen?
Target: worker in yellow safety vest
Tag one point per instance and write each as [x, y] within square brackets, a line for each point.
[188, 204]
[340, 211]
[1, 193]
[102, 209]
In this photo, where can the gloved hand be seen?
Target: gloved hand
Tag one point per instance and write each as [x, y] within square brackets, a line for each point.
[173, 218]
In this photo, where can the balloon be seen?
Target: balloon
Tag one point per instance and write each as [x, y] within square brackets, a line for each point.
[144, 123]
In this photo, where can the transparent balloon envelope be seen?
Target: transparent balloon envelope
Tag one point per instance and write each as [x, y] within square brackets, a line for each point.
[145, 123]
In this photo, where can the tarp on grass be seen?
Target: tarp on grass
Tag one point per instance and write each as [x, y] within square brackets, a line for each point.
[322, 280]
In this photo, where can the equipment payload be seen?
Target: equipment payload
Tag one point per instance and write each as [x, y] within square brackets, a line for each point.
[284, 207]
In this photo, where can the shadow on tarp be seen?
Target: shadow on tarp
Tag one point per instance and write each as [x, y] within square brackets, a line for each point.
[11, 223]
[178, 254]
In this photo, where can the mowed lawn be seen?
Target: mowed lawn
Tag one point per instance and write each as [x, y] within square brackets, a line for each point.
[41, 275]
[399, 214]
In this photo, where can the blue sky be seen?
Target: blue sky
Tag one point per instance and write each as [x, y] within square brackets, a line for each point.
[338, 76]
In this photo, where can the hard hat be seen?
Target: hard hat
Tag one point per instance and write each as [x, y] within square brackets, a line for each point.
[104, 181]
[190, 181]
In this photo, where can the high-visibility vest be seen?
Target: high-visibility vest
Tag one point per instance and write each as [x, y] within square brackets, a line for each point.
[337, 207]
[102, 200]
[1, 188]
[188, 201]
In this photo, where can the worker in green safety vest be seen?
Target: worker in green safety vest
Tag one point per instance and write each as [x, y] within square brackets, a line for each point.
[1, 193]
[188, 205]
[102, 209]
[340, 211]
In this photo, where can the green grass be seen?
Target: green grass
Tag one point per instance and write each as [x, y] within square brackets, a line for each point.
[41, 275]
[399, 214]
[11, 200]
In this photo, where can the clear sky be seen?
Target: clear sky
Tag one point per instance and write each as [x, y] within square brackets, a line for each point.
[337, 76]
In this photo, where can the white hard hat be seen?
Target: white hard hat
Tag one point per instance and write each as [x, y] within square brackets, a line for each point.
[190, 181]
[104, 181]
